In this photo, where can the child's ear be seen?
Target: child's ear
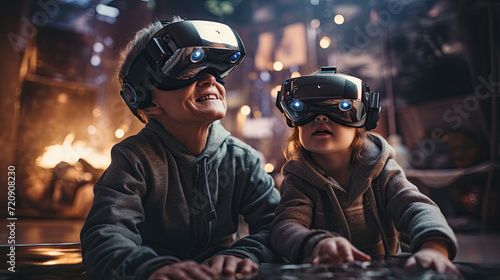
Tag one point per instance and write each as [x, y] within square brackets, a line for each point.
[154, 109]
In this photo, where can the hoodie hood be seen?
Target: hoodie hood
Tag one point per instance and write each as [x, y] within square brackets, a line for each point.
[373, 159]
[216, 136]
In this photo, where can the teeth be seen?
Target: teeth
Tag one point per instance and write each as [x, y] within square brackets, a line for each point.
[322, 131]
[207, 97]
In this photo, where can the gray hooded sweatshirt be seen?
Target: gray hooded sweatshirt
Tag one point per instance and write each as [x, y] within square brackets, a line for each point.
[157, 204]
[378, 203]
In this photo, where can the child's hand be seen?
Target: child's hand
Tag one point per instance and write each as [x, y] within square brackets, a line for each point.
[183, 270]
[337, 250]
[230, 265]
[433, 254]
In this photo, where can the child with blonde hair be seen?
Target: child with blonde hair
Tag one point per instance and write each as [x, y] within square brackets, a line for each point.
[344, 197]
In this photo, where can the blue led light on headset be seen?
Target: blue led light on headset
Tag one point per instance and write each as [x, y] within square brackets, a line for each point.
[235, 57]
[197, 55]
[345, 105]
[297, 105]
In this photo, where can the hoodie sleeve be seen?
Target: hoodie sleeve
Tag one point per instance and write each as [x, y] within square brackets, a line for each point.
[291, 235]
[111, 242]
[258, 202]
[414, 213]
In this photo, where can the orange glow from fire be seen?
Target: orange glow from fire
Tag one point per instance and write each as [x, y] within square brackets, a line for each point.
[70, 152]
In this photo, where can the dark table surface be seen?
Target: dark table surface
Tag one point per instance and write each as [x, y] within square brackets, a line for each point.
[63, 261]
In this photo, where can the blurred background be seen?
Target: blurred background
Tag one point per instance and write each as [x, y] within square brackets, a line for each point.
[435, 64]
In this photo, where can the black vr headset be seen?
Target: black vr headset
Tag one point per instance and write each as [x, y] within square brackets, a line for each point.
[344, 99]
[177, 55]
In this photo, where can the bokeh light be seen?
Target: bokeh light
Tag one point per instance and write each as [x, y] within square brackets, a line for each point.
[339, 19]
[325, 42]
[245, 110]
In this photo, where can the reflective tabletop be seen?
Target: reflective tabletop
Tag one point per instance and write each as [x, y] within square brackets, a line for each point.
[64, 261]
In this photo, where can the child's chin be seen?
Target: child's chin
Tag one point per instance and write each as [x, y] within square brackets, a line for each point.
[216, 114]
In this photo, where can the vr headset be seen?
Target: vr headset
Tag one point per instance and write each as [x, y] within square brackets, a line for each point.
[344, 99]
[177, 55]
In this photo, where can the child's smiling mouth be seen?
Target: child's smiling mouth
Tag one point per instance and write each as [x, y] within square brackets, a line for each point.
[207, 97]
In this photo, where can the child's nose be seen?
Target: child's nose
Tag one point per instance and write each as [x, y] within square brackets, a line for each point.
[321, 117]
[207, 79]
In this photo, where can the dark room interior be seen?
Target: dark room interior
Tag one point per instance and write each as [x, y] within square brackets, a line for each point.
[435, 63]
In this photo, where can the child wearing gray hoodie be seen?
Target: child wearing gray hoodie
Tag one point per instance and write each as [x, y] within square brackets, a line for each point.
[344, 197]
[169, 204]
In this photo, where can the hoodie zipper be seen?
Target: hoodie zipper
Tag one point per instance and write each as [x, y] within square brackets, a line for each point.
[205, 214]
